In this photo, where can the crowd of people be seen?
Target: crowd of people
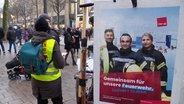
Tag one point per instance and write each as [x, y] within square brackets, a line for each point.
[40, 32]
[15, 35]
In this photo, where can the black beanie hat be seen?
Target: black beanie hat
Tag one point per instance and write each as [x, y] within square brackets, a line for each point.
[41, 25]
[45, 16]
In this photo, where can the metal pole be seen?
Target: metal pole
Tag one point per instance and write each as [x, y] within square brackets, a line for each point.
[44, 6]
[67, 17]
[37, 8]
[76, 15]
[25, 13]
[82, 78]
[82, 88]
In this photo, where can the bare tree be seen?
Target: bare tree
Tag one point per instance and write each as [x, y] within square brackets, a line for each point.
[5, 18]
[34, 8]
[27, 10]
[15, 10]
[23, 9]
[58, 6]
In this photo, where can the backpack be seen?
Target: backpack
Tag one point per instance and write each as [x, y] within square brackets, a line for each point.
[32, 58]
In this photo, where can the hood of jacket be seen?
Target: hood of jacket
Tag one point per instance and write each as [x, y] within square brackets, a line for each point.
[40, 37]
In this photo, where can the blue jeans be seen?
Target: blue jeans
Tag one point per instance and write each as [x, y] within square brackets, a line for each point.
[10, 45]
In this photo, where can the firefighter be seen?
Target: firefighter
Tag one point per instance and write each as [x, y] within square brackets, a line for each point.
[108, 51]
[127, 60]
[154, 58]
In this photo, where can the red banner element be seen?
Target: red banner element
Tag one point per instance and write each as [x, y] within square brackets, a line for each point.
[161, 21]
[129, 88]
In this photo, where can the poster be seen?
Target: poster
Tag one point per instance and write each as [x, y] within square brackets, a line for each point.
[159, 19]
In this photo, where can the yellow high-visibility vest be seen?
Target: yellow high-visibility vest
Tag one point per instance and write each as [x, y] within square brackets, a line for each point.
[51, 73]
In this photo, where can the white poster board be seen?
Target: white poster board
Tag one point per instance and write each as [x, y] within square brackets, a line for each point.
[103, 21]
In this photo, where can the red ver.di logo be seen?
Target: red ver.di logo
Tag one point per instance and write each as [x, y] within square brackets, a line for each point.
[162, 21]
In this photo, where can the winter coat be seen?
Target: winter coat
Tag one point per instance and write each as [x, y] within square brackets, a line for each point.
[68, 41]
[126, 58]
[58, 61]
[112, 52]
[54, 35]
[155, 60]
[11, 35]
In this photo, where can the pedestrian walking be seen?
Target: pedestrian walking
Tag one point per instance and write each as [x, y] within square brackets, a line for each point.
[30, 32]
[11, 37]
[69, 40]
[25, 34]
[19, 36]
[77, 36]
[1, 39]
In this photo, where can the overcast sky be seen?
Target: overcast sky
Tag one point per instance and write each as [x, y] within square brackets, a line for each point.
[1, 3]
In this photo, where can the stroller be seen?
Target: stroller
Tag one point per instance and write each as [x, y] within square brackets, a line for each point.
[15, 70]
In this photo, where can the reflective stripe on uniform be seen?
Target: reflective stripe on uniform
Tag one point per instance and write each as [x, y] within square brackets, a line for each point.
[161, 65]
[46, 78]
[152, 66]
[51, 66]
[51, 73]
[105, 57]
[111, 64]
[143, 65]
[162, 83]
[125, 60]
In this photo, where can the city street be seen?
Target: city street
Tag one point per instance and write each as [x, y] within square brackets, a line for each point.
[19, 91]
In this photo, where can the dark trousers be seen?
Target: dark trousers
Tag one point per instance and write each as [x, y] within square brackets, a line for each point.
[72, 53]
[14, 46]
[2, 46]
[19, 41]
[56, 100]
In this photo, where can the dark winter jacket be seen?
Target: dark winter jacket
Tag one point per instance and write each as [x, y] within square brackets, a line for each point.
[77, 38]
[18, 33]
[68, 41]
[11, 35]
[155, 60]
[54, 35]
[127, 57]
[112, 51]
